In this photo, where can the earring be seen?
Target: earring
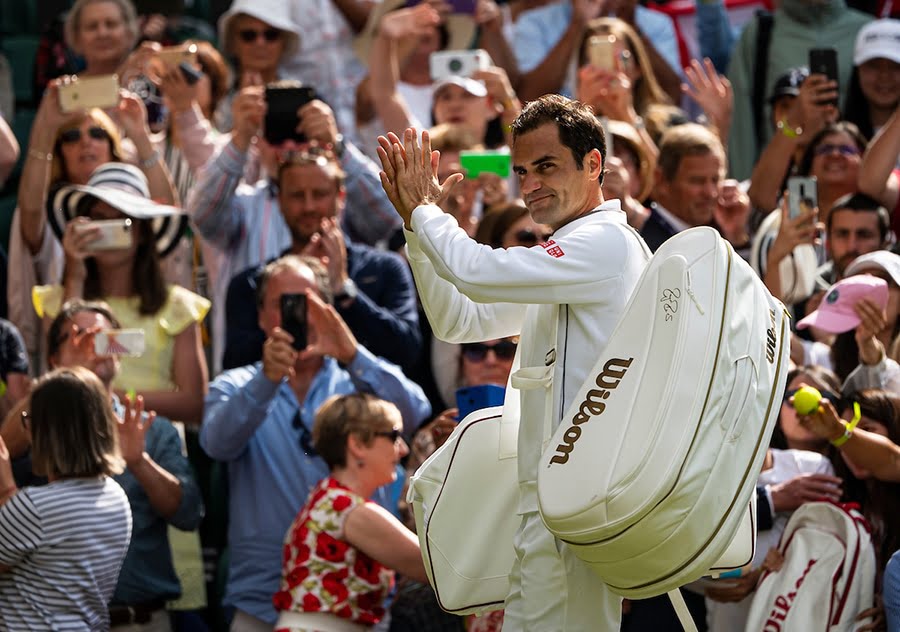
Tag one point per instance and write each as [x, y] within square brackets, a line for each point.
[360, 463]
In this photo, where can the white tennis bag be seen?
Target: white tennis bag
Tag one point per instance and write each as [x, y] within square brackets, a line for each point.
[650, 474]
[827, 577]
[464, 498]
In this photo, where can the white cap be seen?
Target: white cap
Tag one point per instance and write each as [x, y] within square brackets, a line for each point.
[472, 86]
[881, 259]
[878, 39]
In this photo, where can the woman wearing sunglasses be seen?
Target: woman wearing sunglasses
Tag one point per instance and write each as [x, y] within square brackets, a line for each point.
[341, 551]
[256, 35]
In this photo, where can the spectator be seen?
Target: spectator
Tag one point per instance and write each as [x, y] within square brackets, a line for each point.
[258, 418]
[172, 372]
[103, 32]
[66, 149]
[256, 35]
[547, 38]
[690, 168]
[63, 543]
[373, 291]
[856, 225]
[158, 479]
[874, 90]
[630, 172]
[222, 206]
[14, 381]
[833, 157]
[342, 549]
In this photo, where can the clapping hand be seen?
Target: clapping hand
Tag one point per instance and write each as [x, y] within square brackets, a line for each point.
[133, 427]
[410, 173]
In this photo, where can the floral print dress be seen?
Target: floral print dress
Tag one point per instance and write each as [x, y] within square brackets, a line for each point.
[322, 572]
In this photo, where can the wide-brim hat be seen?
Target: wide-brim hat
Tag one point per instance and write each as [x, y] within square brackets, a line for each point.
[460, 29]
[124, 187]
[276, 13]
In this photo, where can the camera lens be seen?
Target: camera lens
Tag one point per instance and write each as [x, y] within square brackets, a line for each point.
[455, 64]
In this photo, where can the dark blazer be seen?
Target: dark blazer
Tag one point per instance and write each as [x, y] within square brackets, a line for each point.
[656, 230]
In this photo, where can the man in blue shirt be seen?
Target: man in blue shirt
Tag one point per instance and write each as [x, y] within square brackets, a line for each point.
[259, 419]
[158, 479]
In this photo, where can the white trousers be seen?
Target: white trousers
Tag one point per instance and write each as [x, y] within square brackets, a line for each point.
[551, 589]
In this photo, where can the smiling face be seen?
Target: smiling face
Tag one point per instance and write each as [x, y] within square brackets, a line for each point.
[82, 155]
[836, 162]
[456, 105]
[383, 453]
[879, 80]
[555, 188]
[308, 194]
[102, 35]
[693, 192]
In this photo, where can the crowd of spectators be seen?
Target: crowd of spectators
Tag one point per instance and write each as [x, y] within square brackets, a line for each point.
[265, 474]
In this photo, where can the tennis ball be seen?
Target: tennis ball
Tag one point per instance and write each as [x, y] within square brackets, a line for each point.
[806, 400]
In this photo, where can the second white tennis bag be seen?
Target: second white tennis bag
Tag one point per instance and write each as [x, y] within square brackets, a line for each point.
[651, 471]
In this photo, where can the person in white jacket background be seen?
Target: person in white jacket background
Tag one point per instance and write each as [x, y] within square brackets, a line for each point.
[562, 297]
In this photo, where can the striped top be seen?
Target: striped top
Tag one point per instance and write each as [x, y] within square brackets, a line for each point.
[64, 544]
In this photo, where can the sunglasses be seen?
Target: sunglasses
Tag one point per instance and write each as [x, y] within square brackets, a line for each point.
[393, 435]
[74, 135]
[831, 397]
[844, 150]
[248, 36]
[528, 237]
[477, 351]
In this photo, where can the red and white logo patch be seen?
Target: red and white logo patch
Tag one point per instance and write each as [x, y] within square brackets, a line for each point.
[553, 249]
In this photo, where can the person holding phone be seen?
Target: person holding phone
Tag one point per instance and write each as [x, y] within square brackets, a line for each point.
[584, 276]
[874, 91]
[259, 419]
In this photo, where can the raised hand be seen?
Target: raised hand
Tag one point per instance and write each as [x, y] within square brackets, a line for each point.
[133, 427]
[712, 92]
[873, 319]
[328, 333]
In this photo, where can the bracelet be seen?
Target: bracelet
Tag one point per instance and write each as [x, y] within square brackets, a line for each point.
[848, 427]
[39, 155]
[787, 130]
[149, 162]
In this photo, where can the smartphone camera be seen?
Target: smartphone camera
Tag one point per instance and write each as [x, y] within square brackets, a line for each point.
[293, 318]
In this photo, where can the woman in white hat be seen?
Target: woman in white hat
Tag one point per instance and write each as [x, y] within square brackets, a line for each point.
[256, 35]
[874, 89]
[125, 272]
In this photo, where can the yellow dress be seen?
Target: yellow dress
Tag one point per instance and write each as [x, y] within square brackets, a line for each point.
[152, 371]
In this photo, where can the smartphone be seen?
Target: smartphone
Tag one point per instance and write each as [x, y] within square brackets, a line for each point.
[824, 61]
[119, 342]
[474, 163]
[115, 234]
[90, 92]
[472, 398]
[803, 195]
[601, 52]
[281, 113]
[293, 318]
[176, 55]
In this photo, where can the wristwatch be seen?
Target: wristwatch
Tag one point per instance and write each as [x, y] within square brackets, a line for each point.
[347, 294]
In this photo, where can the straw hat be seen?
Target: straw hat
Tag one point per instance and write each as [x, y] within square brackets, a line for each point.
[460, 29]
[275, 13]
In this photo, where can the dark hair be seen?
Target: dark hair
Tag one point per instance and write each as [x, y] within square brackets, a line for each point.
[146, 275]
[840, 127]
[495, 223]
[824, 377]
[862, 203]
[56, 334]
[73, 427]
[856, 106]
[579, 129]
[213, 66]
[878, 499]
[359, 414]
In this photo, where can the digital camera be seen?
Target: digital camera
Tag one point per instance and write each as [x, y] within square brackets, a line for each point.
[458, 63]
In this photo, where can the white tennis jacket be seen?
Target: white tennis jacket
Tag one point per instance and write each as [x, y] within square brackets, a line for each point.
[472, 292]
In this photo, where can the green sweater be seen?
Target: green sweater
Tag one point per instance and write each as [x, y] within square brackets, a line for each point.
[799, 25]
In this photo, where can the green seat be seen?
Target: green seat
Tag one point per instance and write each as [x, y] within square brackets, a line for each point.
[18, 17]
[20, 51]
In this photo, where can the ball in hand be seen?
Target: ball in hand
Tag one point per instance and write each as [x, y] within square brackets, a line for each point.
[806, 400]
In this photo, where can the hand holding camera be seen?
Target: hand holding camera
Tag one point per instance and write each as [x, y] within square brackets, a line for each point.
[248, 110]
[317, 123]
[813, 109]
[794, 230]
[409, 23]
[328, 333]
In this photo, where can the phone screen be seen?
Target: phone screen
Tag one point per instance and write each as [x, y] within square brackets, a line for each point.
[802, 195]
[601, 52]
[472, 398]
[293, 318]
[281, 113]
[474, 163]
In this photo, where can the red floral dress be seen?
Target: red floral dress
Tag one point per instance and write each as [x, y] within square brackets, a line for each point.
[323, 573]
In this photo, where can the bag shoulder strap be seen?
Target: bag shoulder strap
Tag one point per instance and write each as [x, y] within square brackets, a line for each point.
[764, 23]
[681, 609]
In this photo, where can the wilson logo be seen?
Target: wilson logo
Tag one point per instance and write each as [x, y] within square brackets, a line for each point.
[592, 406]
[784, 602]
[771, 338]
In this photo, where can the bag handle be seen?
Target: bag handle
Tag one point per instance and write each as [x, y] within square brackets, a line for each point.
[681, 609]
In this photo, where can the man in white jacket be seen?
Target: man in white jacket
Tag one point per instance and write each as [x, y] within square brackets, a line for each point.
[563, 298]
